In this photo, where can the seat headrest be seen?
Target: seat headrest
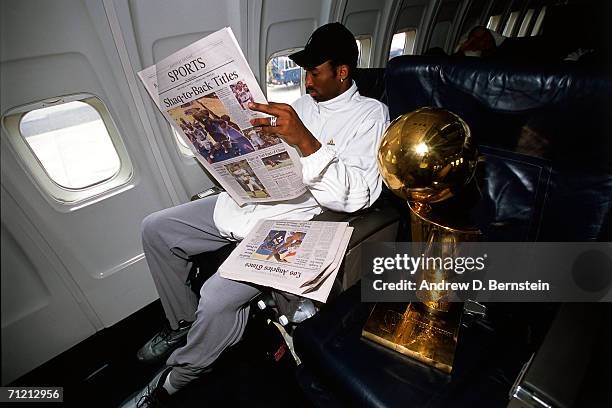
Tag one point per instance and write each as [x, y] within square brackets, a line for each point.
[560, 111]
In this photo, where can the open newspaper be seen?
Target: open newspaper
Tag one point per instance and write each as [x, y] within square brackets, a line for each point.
[299, 257]
[203, 90]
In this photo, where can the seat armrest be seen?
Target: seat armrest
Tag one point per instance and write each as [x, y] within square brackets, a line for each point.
[563, 372]
[366, 222]
[378, 223]
[208, 192]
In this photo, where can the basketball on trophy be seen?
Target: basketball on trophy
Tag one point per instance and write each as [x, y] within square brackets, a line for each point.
[427, 155]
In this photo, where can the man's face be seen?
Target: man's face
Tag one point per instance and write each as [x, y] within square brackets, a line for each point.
[322, 82]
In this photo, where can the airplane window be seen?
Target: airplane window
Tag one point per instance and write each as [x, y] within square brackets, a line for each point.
[525, 24]
[403, 43]
[182, 145]
[71, 148]
[538, 24]
[283, 78]
[510, 24]
[72, 144]
[493, 22]
[364, 45]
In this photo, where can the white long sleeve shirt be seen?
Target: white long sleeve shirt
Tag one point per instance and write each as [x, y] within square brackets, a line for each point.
[342, 175]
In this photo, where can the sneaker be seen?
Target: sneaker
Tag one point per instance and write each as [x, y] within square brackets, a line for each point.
[153, 395]
[164, 343]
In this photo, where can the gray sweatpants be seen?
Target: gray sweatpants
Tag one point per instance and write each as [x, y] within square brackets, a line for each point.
[169, 237]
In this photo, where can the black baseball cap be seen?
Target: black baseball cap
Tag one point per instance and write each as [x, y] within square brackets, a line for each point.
[331, 41]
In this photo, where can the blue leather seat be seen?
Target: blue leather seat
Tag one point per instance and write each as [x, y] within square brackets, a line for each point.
[546, 135]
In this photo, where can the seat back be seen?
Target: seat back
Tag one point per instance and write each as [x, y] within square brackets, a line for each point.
[371, 82]
[556, 116]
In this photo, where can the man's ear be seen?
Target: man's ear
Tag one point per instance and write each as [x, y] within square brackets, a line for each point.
[342, 71]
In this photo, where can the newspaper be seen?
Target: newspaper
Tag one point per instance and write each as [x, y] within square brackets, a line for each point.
[299, 257]
[203, 90]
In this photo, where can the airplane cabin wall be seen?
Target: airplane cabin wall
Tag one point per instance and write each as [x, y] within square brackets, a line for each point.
[368, 18]
[150, 31]
[443, 16]
[277, 25]
[81, 265]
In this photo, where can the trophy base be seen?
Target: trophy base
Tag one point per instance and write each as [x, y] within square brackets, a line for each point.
[416, 331]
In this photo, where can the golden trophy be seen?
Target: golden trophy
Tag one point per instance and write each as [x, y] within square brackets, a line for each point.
[427, 158]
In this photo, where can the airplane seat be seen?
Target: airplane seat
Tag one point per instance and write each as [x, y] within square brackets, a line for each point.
[575, 32]
[577, 28]
[553, 112]
[371, 82]
[545, 136]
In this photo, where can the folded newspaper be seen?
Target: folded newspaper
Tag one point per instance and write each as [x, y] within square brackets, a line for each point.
[299, 257]
[203, 90]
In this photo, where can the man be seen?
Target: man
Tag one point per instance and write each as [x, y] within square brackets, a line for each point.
[480, 42]
[235, 139]
[256, 141]
[212, 125]
[203, 144]
[287, 247]
[244, 176]
[337, 132]
[244, 95]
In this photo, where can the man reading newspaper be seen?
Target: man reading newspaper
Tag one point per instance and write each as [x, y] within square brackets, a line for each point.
[337, 132]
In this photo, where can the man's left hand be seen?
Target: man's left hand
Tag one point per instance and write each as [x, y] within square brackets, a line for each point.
[288, 125]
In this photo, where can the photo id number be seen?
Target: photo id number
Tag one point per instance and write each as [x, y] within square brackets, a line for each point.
[31, 394]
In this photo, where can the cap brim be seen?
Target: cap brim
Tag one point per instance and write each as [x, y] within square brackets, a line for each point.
[306, 59]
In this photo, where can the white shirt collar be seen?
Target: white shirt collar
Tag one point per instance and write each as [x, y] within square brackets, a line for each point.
[338, 102]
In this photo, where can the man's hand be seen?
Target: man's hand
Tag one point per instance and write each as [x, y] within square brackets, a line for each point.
[288, 125]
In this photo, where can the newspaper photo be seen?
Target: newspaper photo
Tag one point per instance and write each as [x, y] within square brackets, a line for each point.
[299, 257]
[203, 90]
